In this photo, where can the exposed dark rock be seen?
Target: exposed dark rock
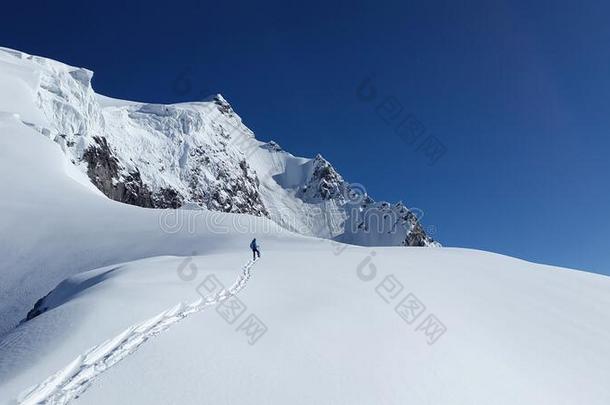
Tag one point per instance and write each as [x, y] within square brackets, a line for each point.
[272, 146]
[102, 166]
[167, 198]
[223, 105]
[236, 194]
[105, 172]
[324, 183]
[38, 309]
[229, 192]
[133, 191]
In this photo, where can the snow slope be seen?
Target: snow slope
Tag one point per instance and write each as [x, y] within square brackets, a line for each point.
[516, 332]
[52, 227]
[336, 323]
[75, 378]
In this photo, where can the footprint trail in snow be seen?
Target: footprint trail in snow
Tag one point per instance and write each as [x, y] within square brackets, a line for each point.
[76, 377]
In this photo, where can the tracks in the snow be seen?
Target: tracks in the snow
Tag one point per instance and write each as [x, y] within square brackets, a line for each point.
[76, 377]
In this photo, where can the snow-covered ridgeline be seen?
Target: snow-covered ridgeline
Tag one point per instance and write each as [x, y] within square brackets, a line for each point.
[165, 156]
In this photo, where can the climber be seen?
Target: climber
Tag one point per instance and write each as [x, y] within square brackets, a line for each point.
[254, 246]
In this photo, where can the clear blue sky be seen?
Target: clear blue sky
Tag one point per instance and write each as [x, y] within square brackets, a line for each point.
[518, 92]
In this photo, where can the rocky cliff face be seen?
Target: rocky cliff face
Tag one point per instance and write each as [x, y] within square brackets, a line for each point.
[365, 221]
[107, 174]
[164, 156]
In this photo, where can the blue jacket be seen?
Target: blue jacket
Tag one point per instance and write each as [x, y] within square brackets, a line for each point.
[253, 245]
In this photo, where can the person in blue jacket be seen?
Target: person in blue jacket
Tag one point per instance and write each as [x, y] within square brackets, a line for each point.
[255, 252]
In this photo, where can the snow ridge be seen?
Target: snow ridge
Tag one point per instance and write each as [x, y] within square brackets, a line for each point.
[195, 153]
[73, 380]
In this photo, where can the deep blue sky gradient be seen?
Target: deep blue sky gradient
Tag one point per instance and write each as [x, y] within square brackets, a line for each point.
[518, 92]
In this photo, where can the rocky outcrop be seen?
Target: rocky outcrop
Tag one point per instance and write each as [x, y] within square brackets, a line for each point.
[417, 237]
[224, 186]
[324, 183]
[272, 146]
[39, 308]
[108, 175]
[167, 197]
[365, 221]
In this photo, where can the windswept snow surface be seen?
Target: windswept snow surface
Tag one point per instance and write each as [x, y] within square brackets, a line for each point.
[320, 322]
[515, 332]
[76, 377]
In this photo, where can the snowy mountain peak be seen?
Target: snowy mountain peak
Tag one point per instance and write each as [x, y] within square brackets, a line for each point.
[196, 154]
[324, 183]
[272, 146]
[223, 104]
